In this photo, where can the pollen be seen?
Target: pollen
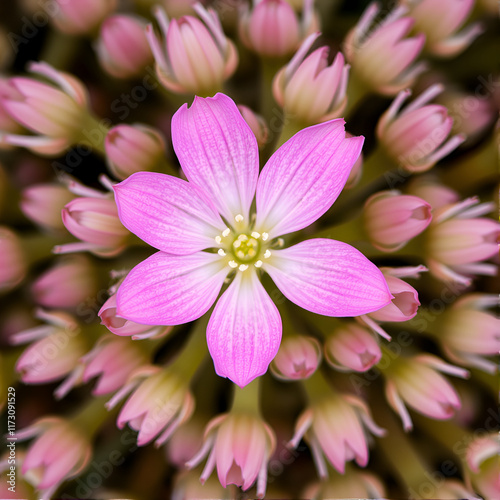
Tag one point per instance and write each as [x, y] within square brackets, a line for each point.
[258, 263]
[267, 254]
[226, 232]
[233, 264]
[239, 218]
[221, 252]
[243, 267]
[265, 236]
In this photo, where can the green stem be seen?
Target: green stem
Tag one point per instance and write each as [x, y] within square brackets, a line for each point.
[290, 128]
[91, 417]
[60, 49]
[93, 133]
[192, 354]
[317, 387]
[37, 247]
[352, 230]
[356, 92]
[247, 399]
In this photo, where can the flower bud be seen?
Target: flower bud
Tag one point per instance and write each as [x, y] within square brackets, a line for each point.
[458, 240]
[56, 112]
[159, 404]
[42, 203]
[440, 21]
[67, 284]
[192, 55]
[112, 360]
[241, 445]
[185, 442]
[133, 148]
[122, 47]
[95, 221]
[392, 219]
[382, 57]
[308, 88]
[13, 265]
[273, 29]
[298, 358]
[437, 195]
[415, 137]
[76, 17]
[256, 123]
[356, 171]
[404, 305]
[352, 348]
[417, 382]
[60, 451]
[124, 327]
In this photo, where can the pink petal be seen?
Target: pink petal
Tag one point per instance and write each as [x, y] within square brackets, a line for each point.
[168, 213]
[304, 177]
[218, 151]
[328, 277]
[171, 290]
[244, 332]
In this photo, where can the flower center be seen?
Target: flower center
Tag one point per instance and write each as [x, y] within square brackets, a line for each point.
[245, 248]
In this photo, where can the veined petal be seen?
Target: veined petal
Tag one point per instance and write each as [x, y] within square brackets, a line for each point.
[170, 289]
[218, 151]
[304, 177]
[244, 332]
[328, 277]
[170, 214]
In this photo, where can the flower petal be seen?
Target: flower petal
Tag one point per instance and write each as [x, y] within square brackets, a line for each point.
[304, 177]
[218, 151]
[168, 213]
[328, 277]
[244, 332]
[170, 289]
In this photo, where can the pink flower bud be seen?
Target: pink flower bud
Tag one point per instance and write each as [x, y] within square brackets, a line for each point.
[308, 88]
[392, 219]
[415, 137]
[122, 47]
[352, 347]
[124, 327]
[56, 111]
[417, 382]
[273, 29]
[55, 352]
[404, 305]
[458, 240]
[382, 56]
[42, 203]
[95, 221]
[192, 55]
[133, 148]
[482, 460]
[437, 195]
[356, 171]
[335, 426]
[256, 123]
[298, 358]
[13, 264]
[76, 17]
[112, 360]
[60, 451]
[240, 445]
[462, 318]
[7, 123]
[67, 284]
[159, 404]
[440, 21]
[185, 442]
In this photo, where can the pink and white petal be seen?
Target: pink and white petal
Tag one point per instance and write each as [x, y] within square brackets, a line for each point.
[168, 213]
[218, 151]
[304, 177]
[169, 289]
[328, 277]
[244, 332]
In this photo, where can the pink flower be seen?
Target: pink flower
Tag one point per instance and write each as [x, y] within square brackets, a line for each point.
[56, 112]
[240, 445]
[440, 22]
[123, 48]
[382, 56]
[308, 88]
[415, 137]
[159, 404]
[192, 56]
[392, 219]
[297, 358]
[59, 452]
[13, 264]
[77, 17]
[417, 382]
[352, 347]
[219, 156]
[335, 426]
[256, 123]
